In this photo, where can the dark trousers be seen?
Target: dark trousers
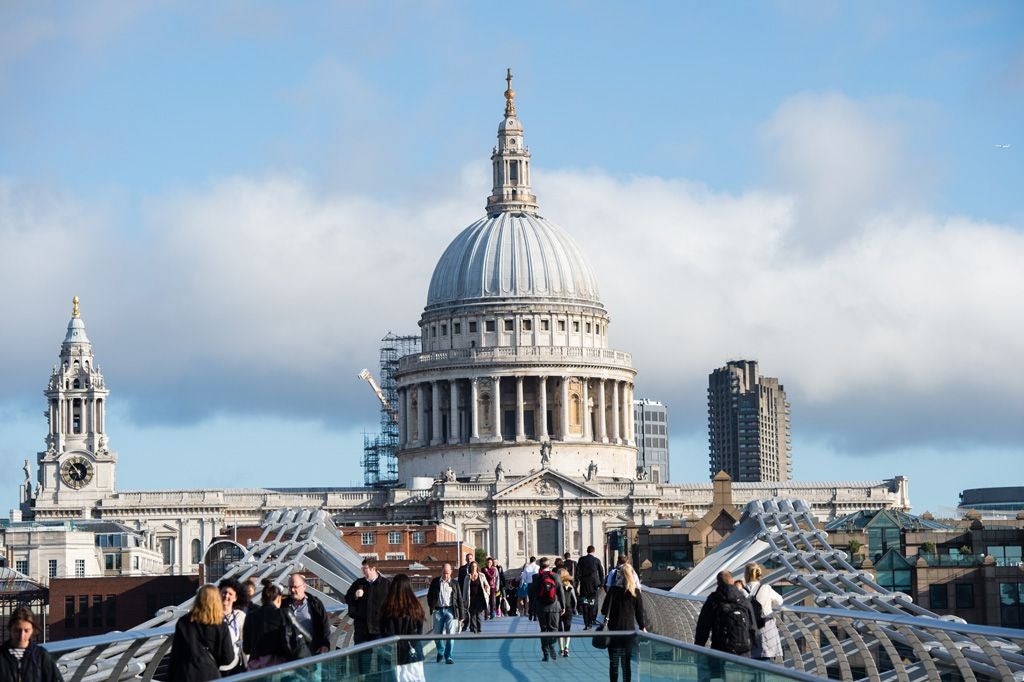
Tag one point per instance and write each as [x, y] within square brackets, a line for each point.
[548, 621]
[588, 609]
[474, 621]
[620, 654]
[365, 659]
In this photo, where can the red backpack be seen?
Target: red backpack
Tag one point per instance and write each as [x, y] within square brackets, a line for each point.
[547, 591]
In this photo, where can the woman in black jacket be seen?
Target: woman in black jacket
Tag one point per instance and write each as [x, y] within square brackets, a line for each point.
[20, 659]
[202, 642]
[402, 614]
[268, 637]
[623, 609]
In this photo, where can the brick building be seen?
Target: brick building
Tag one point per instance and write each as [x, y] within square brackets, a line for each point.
[80, 607]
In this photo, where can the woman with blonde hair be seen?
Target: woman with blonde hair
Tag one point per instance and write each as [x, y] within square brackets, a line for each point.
[623, 609]
[565, 620]
[201, 642]
[764, 599]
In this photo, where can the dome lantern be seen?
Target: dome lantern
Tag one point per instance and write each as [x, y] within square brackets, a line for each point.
[511, 164]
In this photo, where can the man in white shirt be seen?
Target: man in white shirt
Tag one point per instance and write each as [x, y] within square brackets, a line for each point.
[526, 578]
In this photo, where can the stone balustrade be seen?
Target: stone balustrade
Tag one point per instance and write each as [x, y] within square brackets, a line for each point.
[515, 354]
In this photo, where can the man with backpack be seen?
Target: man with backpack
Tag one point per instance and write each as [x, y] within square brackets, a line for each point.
[728, 618]
[547, 598]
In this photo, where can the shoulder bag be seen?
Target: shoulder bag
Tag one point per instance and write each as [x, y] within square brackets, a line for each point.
[601, 641]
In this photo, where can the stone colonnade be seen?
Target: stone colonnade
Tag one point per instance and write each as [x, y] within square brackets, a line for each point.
[89, 411]
[515, 408]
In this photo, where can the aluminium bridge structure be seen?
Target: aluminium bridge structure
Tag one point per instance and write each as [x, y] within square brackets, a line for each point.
[837, 623]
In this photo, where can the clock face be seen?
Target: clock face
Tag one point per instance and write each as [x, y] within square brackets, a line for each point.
[76, 472]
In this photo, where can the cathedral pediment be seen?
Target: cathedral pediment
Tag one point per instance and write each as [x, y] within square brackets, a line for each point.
[545, 483]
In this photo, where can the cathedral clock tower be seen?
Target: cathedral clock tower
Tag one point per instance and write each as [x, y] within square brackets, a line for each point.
[77, 468]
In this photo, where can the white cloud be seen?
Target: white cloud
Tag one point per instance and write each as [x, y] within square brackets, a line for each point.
[842, 160]
[264, 293]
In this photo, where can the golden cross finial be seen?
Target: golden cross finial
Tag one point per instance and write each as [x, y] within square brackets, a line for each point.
[510, 95]
[74, 307]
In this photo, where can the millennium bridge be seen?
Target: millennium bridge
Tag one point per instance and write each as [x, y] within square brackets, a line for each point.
[837, 623]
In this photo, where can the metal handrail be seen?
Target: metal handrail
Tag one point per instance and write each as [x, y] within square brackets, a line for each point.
[989, 631]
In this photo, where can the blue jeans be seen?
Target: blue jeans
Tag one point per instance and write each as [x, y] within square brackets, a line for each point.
[445, 623]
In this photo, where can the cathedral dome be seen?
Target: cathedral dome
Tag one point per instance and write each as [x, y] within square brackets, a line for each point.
[512, 255]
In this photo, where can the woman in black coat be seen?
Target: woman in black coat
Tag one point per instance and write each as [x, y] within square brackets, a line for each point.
[20, 659]
[268, 637]
[202, 643]
[402, 614]
[623, 609]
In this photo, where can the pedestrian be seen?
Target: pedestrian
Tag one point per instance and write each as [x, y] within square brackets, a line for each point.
[493, 599]
[309, 614]
[547, 599]
[623, 609]
[251, 587]
[444, 598]
[464, 568]
[525, 580]
[365, 598]
[202, 643]
[565, 620]
[569, 565]
[589, 580]
[505, 591]
[20, 657]
[234, 618]
[402, 614]
[727, 617]
[764, 600]
[267, 635]
[615, 577]
[475, 591]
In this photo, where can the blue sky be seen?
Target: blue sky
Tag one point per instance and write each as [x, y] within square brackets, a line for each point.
[247, 196]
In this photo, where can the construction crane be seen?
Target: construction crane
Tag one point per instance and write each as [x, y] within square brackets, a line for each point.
[368, 378]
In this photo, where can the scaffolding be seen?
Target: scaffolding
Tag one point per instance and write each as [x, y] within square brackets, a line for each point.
[380, 464]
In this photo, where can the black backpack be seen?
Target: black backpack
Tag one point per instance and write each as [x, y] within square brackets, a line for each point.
[730, 630]
[759, 616]
[547, 590]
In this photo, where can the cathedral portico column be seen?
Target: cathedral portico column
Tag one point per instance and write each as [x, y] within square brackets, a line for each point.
[435, 412]
[587, 435]
[401, 417]
[520, 422]
[496, 408]
[474, 419]
[409, 416]
[543, 407]
[616, 415]
[627, 412]
[453, 412]
[563, 426]
[602, 425]
[421, 435]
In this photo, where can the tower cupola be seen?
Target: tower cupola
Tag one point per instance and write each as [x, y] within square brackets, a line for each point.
[510, 161]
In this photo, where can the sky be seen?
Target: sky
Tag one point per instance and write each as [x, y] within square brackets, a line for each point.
[247, 196]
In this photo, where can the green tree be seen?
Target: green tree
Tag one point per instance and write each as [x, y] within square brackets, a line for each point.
[854, 546]
[481, 557]
[927, 548]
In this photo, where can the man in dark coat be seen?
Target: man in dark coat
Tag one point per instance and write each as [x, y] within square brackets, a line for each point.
[569, 565]
[589, 578]
[548, 614]
[309, 613]
[727, 618]
[464, 568]
[365, 597]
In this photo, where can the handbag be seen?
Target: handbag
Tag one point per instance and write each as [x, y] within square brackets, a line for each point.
[410, 672]
[601, 641]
